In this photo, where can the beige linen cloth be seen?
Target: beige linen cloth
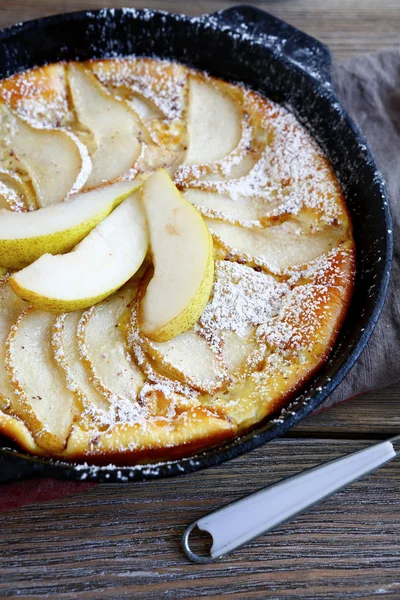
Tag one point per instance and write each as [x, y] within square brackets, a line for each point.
[369, 89]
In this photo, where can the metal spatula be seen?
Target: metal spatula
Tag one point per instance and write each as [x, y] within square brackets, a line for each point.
[237, 523]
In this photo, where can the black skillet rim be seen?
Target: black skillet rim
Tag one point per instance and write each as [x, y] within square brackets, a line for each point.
[15, 464]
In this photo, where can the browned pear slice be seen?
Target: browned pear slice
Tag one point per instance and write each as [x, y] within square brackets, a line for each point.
[222, 206]
[143, 107]
[162, 83]
[44, 402]
[10, 308]
[214, 122]
[15, 193]
[156, 91]
[17, 431]
[55, 160]
[236, 350]
[38, 95]
[277, 247]
[116, 129]
[4, 193]
[9, 198]
[235, 165]
[110, 366]
[155, 371]
[189, 358]
[66, 353]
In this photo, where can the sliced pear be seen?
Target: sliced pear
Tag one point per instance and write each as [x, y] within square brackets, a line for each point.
[223, 207]
[236, 349]
[9, 198]
[144, 108]
[55, 160]
[117, 130]
[232, 166]
[155, 157]
[44, 402]
[10, 308]
[58, 228]
[100, 264]
[277, 247]
[110, 366]
[17, 431]
[163, 83]
[66, 353]
[3, 272]
[156, 373]
[189, 358]
[214, 122]
[156, 91]
[38, 95]
[183, 261]
[15, 193]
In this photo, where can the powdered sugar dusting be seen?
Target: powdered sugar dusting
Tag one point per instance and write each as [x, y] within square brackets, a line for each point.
[241, 298]
[38, 96]
[12, 198]
[86, 167]
[299, 320]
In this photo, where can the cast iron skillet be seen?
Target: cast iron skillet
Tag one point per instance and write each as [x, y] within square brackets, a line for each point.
[247, 45]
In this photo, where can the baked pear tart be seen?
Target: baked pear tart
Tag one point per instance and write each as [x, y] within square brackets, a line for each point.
[176, 260]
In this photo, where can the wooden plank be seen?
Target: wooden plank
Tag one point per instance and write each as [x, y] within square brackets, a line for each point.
[123, 541]
[348, 27]
[376, 413]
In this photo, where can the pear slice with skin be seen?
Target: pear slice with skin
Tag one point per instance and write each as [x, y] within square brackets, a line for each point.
[111, 369]
[56, 161]
[102, 262]
[214, 122]
[58, 228]
[117, 130]
[45, 403]
[183, 261]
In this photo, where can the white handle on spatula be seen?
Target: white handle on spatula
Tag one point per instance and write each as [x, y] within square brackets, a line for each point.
[236, 524]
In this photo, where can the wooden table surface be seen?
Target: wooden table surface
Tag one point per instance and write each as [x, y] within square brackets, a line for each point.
[123, 541]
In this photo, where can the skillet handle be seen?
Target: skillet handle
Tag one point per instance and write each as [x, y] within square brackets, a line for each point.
[299, 48]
